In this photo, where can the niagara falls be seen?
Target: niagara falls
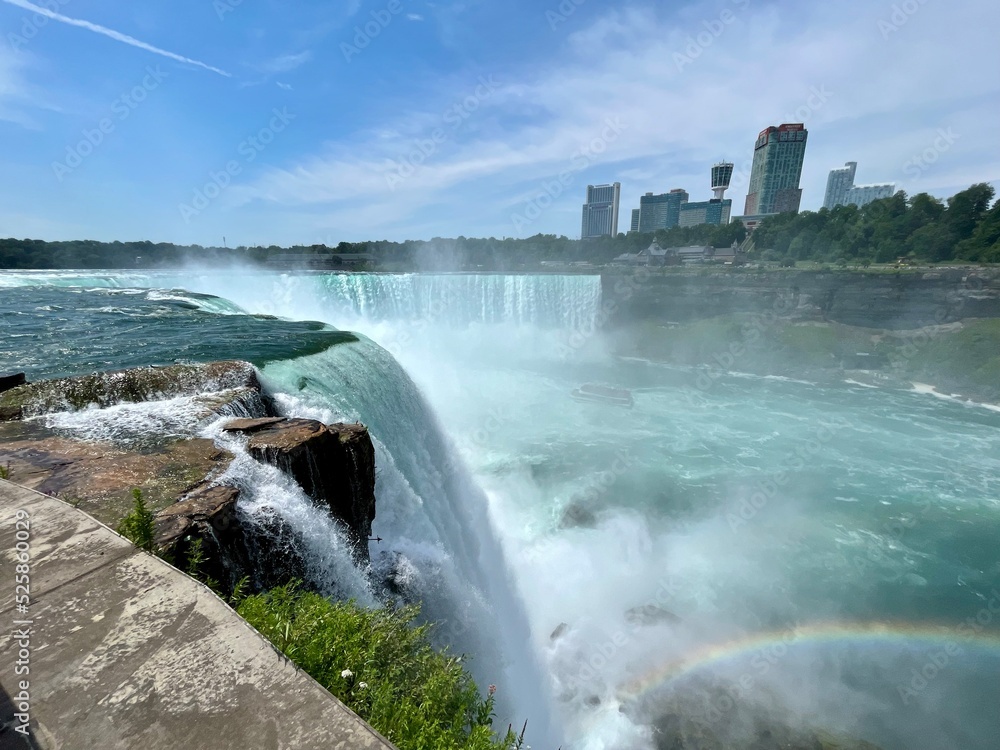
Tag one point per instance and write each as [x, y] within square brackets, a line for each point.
[466, 375]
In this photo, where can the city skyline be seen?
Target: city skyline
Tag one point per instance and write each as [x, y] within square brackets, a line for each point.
[676, 209]
[480, 126]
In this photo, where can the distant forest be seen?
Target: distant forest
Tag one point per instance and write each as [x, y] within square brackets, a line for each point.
[922, 228]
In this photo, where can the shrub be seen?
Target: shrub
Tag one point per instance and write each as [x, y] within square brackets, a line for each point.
[382, 666]
[137, 526]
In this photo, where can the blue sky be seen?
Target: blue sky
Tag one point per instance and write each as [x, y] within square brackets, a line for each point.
[276, 122]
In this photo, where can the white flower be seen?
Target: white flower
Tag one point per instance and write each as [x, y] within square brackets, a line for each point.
[362, 685]
[347, 674]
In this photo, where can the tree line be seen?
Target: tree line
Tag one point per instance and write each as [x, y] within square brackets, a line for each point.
[919, 228]
[922, 228]
[437, 254]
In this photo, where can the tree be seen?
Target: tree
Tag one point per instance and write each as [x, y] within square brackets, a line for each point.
[984, 245]
[934, 242]
[967, 208]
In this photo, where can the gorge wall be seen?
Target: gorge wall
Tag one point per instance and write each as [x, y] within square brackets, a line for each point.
[891, 300]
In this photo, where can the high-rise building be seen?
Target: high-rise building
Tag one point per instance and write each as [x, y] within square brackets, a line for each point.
[722, 175]
[714, 211]
[600, 212]
[838, 183]
[661, 211]
[841, 190]
[634, 226]
[777, 168]
[862, 195]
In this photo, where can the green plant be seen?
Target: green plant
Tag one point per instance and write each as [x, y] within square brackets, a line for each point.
[5, 471]
[195, 560]
[383, 667]
[137, 526]
[239, 592]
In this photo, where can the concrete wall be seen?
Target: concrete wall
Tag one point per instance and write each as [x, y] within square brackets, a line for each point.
[128, 652]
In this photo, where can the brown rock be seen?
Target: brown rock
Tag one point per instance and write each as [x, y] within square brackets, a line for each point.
[251, 425]
[206, 514]
[99, 477]
[214, 506]
[333, 464]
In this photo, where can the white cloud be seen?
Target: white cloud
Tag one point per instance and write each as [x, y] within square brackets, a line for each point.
[862, 97]
[286, 63]
[415, 16]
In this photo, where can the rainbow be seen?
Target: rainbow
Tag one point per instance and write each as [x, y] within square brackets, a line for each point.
[895, 635]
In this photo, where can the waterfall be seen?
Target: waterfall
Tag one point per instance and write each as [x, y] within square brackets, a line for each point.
[439, 546]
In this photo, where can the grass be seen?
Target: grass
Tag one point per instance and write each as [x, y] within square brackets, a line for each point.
[381, 665]
[5, 471]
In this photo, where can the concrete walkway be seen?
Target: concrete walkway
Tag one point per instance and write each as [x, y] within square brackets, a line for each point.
[127, 652]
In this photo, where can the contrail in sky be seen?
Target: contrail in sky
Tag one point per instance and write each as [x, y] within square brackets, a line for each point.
[116, 35]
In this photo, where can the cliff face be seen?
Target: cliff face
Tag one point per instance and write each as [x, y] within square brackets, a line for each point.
[904, 300]
[334, 465]
[182, 476]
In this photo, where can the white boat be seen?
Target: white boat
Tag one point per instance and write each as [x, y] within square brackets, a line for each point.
[603, 394]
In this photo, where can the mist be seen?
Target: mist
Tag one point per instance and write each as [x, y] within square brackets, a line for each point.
[765, 551]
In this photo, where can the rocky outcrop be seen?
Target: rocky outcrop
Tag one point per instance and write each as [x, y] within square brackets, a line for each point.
[650, 614]
[206, 515]
[98, 476]
[235, 381]
[11, 381]
[904, 300]
[334, 464]
[179, 473]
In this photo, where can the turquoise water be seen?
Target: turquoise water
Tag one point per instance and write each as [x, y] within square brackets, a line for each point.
[755, 505]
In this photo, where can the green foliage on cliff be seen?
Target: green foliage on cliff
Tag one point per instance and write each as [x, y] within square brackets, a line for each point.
[137, 526]
[382, 666]
[922, 228]
[747, 342]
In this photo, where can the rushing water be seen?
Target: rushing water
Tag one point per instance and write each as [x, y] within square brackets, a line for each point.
[823, 554]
